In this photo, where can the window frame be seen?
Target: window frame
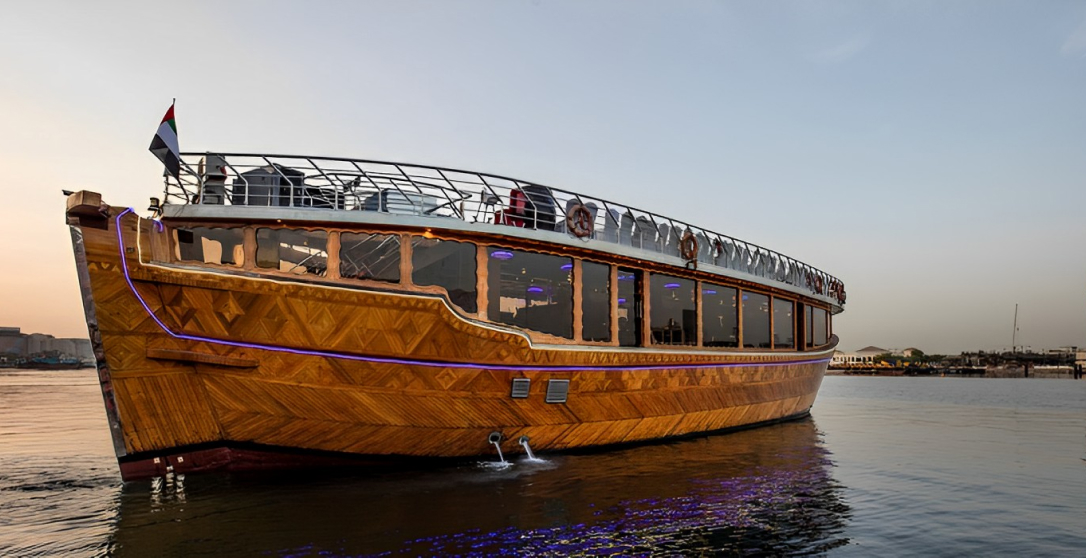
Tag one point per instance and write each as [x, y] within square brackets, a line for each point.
[175, 246]
[487, 250]
[773, 323]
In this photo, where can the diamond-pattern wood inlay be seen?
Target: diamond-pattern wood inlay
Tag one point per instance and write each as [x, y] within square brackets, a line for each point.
[352, 406]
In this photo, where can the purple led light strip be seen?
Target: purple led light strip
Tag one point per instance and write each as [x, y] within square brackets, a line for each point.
[413, 362]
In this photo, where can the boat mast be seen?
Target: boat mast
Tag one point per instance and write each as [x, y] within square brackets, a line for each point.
[1014, 334]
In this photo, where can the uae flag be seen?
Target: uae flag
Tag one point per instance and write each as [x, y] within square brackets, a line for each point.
[164, 146]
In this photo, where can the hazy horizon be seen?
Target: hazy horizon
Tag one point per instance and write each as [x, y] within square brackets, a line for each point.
[932, 155]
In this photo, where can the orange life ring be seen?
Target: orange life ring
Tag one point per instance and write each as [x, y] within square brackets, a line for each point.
[688, 247]
[579, 221]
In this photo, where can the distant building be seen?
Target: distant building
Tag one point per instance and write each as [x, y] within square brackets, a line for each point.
[911, 352]
[15, 343]
[841, 358]
[871, 351]
[12, 341]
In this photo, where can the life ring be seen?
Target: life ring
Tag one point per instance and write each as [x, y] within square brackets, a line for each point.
[688, 247]
[579, 221]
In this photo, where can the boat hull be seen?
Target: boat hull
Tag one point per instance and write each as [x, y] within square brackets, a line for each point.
[206, 370]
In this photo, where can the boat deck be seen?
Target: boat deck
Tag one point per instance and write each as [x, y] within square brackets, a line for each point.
[467, 199]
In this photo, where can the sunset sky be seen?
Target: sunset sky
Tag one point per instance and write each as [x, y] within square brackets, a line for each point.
[930, 154]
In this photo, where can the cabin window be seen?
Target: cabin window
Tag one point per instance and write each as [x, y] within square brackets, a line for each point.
[293, 251]
[595, 302]
[369, 256]
[629, 307]
[447, 264]
[821, 337]
[719, 316]
[673, 314]
[530, 290]
[756, 320]
[206, 245]
[784, 324]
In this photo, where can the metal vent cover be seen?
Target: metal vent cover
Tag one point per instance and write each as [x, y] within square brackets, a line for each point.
[557, 391]
[521, 387]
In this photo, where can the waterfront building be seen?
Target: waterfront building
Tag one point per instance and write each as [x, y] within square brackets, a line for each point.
[12, 341]
[15, 343]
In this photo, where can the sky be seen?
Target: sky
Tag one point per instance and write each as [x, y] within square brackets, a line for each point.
[931, 154]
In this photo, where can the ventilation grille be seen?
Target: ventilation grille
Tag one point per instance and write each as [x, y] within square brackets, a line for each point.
[520, 388]
[557, 390]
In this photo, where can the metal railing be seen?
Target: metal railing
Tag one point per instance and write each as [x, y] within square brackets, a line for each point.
[341, 184]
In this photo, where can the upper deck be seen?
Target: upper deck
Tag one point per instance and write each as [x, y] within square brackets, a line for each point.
[239, 184]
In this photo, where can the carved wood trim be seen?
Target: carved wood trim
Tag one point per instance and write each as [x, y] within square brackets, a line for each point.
[481, 280]
[204, 358]
[739, 314]
[332, 271]
[249, 247]
[772, 323]
[646, 312]
[578, 300]
[612, 290]
[405, 260]
[699, 315]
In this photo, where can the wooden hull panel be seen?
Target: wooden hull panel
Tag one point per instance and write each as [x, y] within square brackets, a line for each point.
[206, 360]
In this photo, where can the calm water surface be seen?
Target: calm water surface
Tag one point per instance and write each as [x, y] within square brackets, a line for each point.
[885, 466]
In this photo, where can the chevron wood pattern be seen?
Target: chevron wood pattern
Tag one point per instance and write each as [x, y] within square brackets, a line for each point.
[174, 392]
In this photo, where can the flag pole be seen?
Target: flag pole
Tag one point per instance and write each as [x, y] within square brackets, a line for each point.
[199, 185]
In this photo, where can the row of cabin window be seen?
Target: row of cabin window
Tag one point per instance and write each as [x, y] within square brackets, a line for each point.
[446, 264]
[528, 289]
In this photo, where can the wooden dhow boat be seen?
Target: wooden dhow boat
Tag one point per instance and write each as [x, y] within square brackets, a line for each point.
[281, 310]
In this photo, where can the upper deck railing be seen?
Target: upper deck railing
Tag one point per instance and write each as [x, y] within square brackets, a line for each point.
[340, 184]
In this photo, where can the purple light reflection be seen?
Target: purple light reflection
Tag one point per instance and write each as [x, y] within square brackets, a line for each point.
[783, 510]
[501, 255]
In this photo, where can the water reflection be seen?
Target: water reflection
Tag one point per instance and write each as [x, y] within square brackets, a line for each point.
[768, 490]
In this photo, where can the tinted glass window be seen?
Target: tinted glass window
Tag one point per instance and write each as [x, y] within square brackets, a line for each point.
[293, 251]
[673, 314]
[595, 301]
[369, 256]
[217, 246]
[720, 316]
[530, 290]
[756, 320]
[820, 331]
[629, 307]
[784, 324]
[449, 265]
